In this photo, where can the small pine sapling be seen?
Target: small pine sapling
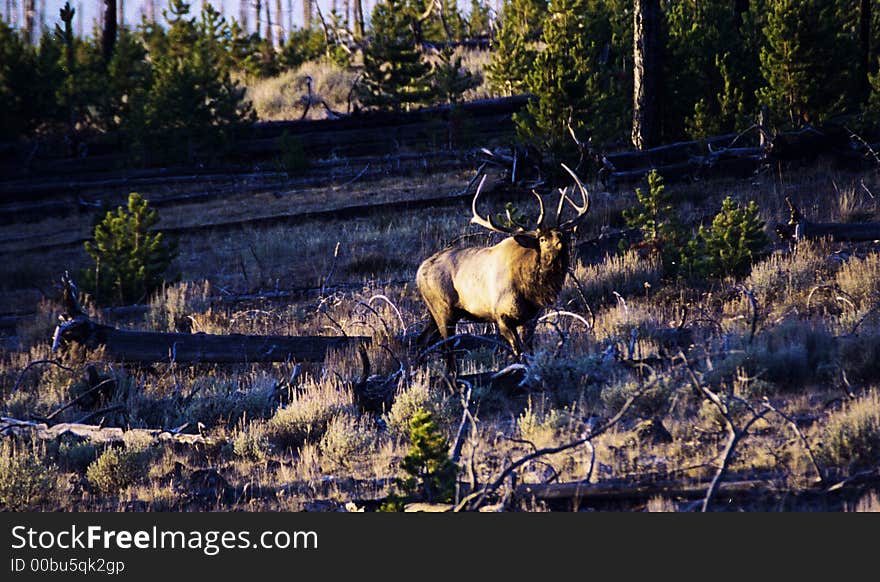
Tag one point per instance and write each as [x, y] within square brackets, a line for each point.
[655, 218]
[430, 473]
[729, 248]
[130, 259]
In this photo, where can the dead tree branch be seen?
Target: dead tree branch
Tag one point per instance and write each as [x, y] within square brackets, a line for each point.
[478, 498]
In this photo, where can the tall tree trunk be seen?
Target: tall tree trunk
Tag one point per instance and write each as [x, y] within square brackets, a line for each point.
[279, 21]
[151, 10]
[289, 17]
[269, 35]
[865, 45]
[646, 70]
[29, 13]
[358, 18]
[243, 9]
[307, 14]
[108, 39]
[121, 13]
[258, 6]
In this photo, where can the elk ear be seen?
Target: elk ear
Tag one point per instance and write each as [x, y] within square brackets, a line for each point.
[526, 240]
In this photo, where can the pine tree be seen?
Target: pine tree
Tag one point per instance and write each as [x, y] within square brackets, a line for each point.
[430, 472]
[479, 22]
[450, 79]
[710, 70]
[515, 48]
[729, 248]
[655, 218]
[32, 86]
[572, 79]
[130, 259]
[193, 90]
[396, 75]
[802, 58]
[452, 24]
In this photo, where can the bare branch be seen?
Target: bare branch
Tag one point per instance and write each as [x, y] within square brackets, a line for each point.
[479, 496]
[791, 423]
[21, 374]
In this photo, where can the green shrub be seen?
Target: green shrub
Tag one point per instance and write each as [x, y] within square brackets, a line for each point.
[860, 358]
[346, 440]
[251, 445]
[130, 260]
[627, 274]
[117, 469]
[731, 245]
[852, 435]
[655, 218]
[76, 456]
[307, 415]
[413, 399]
[293, 158]
[26, 481]
[430, 473]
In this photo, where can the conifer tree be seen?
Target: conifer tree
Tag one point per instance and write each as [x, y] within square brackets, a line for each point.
[515, 48]
[193, 90]
[130, 259]
[731, 245]
[430, 471]
[802, 61]
[396, 75]
[571, 79]
[711, 69]
[479, 22]
[450, 79]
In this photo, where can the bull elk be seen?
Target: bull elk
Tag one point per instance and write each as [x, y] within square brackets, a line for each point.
[506, 284]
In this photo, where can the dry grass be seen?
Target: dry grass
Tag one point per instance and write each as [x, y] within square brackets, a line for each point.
[627, 274]
[283, 97]
[851, 438]
[299, 441]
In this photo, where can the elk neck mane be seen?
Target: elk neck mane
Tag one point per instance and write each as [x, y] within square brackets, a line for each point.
[540, 279]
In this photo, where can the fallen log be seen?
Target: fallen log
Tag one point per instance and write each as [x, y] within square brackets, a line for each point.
[631, 493]
[799, 228]
[98, 434]
[739, 494]
[838, 231]
[147, 347]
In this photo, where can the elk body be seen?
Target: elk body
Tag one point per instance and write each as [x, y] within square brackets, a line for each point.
[507, 284]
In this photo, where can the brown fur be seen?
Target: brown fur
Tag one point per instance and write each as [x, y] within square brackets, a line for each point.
[507, 284]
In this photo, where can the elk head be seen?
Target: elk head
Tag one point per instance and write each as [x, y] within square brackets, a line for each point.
[508, 283]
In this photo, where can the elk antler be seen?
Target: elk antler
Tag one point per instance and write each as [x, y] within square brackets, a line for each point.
[540, 222]
[487, 222]
[581, 210]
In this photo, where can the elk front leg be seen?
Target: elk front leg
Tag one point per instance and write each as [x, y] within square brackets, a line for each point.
[507, 328]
